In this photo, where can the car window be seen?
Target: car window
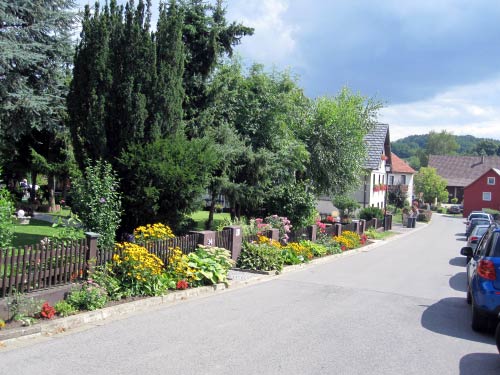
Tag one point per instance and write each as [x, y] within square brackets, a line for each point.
[479, 231]
[494, 246]
[481, 246]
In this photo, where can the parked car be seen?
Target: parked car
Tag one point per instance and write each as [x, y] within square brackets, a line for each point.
[475, 222]
[475, 236]
[478, 215]
[483, 279]
[454, 209]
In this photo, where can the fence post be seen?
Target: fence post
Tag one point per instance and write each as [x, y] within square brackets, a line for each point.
[273, 234]
[387, 222]
[236, 240]
[205, 237]
[91, 254]
[375, 223]
[337, 229]
[312, 231]
[362, 226]
[355, 223]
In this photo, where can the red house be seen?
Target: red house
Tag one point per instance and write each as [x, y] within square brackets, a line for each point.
[484, 192]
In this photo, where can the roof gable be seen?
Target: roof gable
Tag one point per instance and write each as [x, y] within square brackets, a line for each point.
[377, 143]
[400, 166]
[494, 170]
[462, 170]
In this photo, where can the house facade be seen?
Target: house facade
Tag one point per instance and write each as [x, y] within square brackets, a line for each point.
[373, 190]
[401, 177]
[461, 171]
[483, 192]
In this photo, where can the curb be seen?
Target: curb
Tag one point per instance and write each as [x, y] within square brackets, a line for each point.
[60, 325]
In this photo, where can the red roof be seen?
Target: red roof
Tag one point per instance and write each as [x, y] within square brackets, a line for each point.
[399, 165]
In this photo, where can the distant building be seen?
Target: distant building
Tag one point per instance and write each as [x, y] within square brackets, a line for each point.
[483, 192]
[401, 176]
[460, 171]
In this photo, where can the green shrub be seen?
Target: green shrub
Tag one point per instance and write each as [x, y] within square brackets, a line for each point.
[90, 297]
[317, 249]
[6, 225]
[261, 257]
[64, 308]
[369, 213]
[210, 264]
[97, 202]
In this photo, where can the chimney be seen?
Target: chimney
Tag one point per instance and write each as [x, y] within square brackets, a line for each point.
[482, 159]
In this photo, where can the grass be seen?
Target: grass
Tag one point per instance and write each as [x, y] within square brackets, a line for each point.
[64, 212]
[32, 233]
[376, 235]
[200, 217]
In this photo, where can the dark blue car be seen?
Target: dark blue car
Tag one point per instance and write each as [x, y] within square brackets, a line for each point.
[483, 279]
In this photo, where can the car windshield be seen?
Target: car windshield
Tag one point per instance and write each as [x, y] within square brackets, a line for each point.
[476, 216]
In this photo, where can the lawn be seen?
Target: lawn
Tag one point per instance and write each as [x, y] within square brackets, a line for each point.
[32, 233]
[200, 217]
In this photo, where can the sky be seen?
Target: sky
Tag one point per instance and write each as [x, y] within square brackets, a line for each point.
[434, 64]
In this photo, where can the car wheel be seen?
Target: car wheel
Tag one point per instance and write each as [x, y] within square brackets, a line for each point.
[479, 322]
[469, 296]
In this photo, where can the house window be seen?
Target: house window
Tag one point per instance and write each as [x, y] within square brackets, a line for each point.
[486, 196]
[491, 181]
[391, 180]
[403, 179]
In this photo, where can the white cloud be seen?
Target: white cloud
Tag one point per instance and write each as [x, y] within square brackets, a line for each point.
[274, 39]
[470, 109]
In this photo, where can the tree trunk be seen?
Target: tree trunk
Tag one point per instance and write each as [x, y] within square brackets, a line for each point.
[52, 197]
[33, 185]
[210, 221]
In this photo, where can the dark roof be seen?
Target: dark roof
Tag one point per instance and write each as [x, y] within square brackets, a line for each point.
[378, 143]
[400, 166]
[460, 171]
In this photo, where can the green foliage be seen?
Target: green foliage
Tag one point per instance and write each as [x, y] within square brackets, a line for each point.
[397, 196]
[69, 229]
[428, 182]
[210, 265]
[454, 200]
[89, 297]
[36, 50]
[442, 143]
[317, 249]
[261, 257]
[164, 180]
[369, 213]
[97, 202]
[335, 140]
[22, 307]
[295, 201]
[6, 225]
[345, 203]
[115, 289]
[64, 308]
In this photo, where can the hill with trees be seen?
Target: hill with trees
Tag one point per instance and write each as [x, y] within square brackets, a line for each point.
[415, 149]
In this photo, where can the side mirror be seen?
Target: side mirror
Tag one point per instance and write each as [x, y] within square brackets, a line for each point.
[466, 251]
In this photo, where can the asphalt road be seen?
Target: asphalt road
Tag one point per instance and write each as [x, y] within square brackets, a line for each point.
[398, 309]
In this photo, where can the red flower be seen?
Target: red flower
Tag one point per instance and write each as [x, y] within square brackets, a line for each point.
[331, 219]
[182, 284]
[48, 311]
[343, 248]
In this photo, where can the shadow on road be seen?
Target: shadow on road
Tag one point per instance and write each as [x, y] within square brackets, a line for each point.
[459, 234]
[459, 282]
[458, 261]
[480, 363]
[452, 317]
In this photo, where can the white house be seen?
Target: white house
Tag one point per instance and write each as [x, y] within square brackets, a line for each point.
[373, 189]
[401, 176]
